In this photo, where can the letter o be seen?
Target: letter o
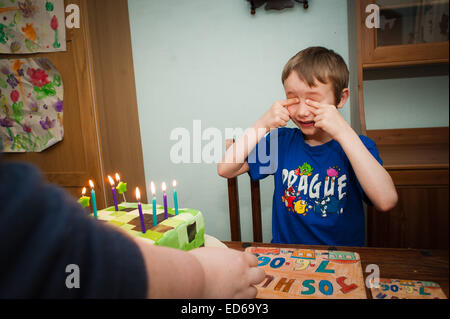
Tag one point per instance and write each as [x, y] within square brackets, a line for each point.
[277, 262]
[326, 287]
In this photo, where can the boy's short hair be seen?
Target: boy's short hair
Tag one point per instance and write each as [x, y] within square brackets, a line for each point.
[322, 64]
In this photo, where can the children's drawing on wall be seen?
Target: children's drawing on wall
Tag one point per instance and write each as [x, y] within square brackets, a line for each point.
[31, 105]
[29, 26]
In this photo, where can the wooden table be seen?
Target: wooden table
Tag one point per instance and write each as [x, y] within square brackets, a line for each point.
[412, 264]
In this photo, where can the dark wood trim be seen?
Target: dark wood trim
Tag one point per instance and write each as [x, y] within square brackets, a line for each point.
[233, 204]
[413, 148]
[360, 48]
[403, 136]
[256, 210]
[422, 178]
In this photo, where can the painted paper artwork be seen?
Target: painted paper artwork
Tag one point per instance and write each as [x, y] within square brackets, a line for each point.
[406, 289]
[309, 274]
[29, 26]
[31, 105]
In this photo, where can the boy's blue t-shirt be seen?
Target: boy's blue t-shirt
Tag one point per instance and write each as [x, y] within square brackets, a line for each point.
[317, 198]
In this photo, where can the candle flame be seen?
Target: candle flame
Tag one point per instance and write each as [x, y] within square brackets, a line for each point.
[111, 180]
[152, 186]
[138, 194]
[164, 187]
[174, 183]
[91, 183]
[83, 192]
[117, 177]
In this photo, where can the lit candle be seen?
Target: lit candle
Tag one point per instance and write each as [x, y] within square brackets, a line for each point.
[165, 200]
[84, 200]
[121, 187]
[141, 215]
[175, 197]
[94, 201]
[155, 220]
[114, 193]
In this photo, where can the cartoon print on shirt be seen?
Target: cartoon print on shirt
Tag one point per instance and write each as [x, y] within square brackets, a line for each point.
[329, 204]
[312, 195]
[305, 169]
[333, 173]
[300, 207]
[289, 197]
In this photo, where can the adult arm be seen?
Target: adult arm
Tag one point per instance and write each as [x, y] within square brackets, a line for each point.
[200, 273]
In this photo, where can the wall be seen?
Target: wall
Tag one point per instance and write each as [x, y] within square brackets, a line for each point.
[210, 60]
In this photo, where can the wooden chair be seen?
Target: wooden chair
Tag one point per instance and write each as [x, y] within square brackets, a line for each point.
[233, 204]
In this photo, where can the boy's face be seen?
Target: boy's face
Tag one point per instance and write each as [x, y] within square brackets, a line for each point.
[301, 113]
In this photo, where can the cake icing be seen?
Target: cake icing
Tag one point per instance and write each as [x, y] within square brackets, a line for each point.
[184, 231]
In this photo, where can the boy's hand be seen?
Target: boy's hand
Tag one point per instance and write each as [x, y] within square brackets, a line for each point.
[229, 273]
[328, 119]
[278, 115]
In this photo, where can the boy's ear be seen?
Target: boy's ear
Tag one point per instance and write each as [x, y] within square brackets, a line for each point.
[344, 97]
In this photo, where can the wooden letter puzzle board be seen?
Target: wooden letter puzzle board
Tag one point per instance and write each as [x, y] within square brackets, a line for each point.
[309, 274]
[407, 289]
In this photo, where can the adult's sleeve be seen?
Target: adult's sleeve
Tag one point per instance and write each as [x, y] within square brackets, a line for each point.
[44, 233]
[263, 160]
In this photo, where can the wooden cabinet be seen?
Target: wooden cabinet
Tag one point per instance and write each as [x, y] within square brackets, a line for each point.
[416, 158]
[410, 32]
[420, 219]
[101, 124]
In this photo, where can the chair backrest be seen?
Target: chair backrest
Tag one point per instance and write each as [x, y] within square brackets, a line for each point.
[233, 204]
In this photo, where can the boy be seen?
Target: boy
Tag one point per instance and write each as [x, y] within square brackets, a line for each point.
[322, 169]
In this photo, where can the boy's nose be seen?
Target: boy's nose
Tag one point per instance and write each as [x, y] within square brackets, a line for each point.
[302, 109]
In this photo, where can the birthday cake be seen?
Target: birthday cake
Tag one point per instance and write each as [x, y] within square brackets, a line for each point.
[184, 231]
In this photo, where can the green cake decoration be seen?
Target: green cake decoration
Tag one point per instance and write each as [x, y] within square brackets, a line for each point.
[184, 231]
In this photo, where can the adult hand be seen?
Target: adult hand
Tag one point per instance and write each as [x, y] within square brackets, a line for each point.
[229, 273]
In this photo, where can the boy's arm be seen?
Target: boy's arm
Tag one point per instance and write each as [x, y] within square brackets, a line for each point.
[373, 178]
[200, 273]
[234, 162]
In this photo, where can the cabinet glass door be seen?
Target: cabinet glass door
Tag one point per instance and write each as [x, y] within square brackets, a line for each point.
[412, 22]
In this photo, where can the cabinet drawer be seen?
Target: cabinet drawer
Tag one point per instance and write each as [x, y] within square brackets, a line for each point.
[428, 177]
